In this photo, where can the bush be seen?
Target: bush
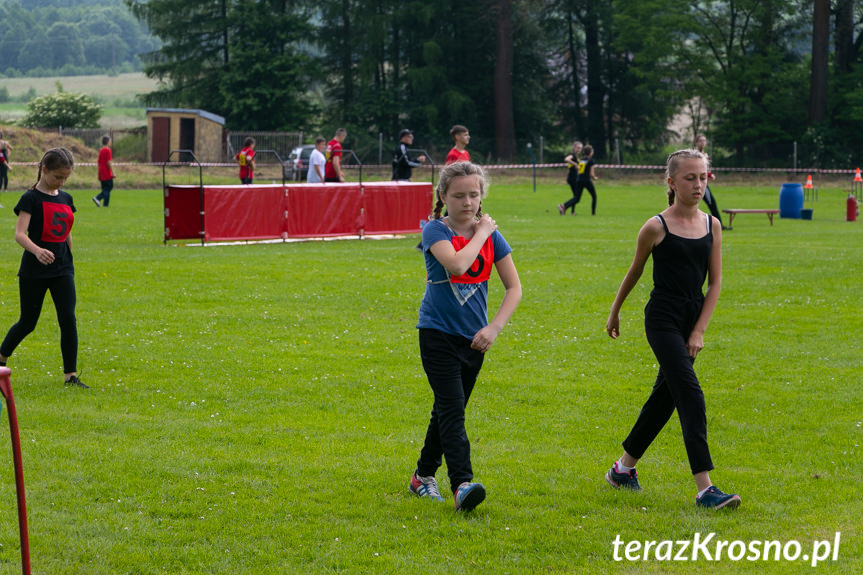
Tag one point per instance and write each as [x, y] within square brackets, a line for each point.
[63, 109]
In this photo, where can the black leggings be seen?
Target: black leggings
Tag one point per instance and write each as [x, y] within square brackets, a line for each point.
[676, 387]
[4, 176]
[32, 294]
[452, 368]
[577, 192]
[710, 200]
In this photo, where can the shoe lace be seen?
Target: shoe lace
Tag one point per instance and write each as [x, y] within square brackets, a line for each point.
[431, 486]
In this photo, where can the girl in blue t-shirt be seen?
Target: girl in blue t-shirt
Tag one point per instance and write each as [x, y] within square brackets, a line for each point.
[45, 217]
[454, 331]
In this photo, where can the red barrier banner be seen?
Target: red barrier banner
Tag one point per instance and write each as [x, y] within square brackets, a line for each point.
[244, 212]
[298, 211]
[183, 206]
[396, 207]
[324, 210]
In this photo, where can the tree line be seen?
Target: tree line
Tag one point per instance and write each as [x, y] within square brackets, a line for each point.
[757, 76]
[62, 38]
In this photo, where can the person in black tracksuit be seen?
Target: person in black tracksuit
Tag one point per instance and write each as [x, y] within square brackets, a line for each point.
[584, 181]
[571, 160]
[709, 198]
[403, 164]
[45, 218]
[686, 248]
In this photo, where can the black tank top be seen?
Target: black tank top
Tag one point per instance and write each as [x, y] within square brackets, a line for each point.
[680, 264]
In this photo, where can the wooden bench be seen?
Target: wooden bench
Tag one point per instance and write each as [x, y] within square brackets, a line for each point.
[732, 213]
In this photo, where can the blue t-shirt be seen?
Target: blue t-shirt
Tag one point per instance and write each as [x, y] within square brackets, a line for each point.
[457, 306]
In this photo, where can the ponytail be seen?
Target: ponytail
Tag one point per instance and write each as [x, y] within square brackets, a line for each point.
[673, 164]
[54, 159]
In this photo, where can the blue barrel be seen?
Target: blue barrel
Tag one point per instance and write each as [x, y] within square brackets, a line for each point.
[790, 200]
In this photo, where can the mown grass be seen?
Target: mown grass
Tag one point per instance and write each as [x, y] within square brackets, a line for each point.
[259, 408]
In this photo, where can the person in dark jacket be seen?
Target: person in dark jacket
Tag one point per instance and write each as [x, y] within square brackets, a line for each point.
[403, 164]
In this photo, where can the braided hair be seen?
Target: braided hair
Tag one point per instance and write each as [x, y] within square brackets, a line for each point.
[456, 170]
[673, 164]
[54, 159]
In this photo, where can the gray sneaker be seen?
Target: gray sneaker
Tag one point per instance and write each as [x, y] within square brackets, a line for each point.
[425, 487]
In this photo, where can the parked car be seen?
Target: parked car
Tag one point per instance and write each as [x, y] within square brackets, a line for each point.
[298, 163]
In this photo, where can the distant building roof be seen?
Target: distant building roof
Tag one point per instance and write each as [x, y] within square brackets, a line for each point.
[202, 113]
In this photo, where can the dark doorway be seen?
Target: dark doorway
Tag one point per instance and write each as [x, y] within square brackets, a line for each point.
[187, 137]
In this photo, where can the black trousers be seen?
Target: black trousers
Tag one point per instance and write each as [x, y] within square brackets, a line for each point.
[577, 193]
[710, 200]
[4, 176]
[452, 368]
[32, 294]
[668, 327]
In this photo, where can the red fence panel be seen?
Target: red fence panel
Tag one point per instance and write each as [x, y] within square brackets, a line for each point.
[396, 207]
[298, 211]
[182, 212]
[244, 212]
[324, 210]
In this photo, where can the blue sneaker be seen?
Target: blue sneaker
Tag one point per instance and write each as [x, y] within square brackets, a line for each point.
[627, 480]
[469, 495]
[425, 487]
[713, 498]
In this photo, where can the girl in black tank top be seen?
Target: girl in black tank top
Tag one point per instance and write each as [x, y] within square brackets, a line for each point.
[686, 248]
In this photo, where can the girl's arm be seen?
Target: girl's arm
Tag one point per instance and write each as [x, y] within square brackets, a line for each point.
[649, 235]
[44, 256]
[695, 342]
[509, 277]
[458, 262]
[593, 175]
[570, 161]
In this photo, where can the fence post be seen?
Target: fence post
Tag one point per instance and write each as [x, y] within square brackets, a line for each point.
[6, 390]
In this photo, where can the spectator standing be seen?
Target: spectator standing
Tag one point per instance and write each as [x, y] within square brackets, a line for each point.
[5, 147]
[333, 169]
[709, 198]
[461, 137]
[105, 173]
[246, 159]
[317, 162]
[403, 164]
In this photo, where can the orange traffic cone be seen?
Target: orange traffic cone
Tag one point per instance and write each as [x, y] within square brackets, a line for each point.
[809, 185]
[857, 177]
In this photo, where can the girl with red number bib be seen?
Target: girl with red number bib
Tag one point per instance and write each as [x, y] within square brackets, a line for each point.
[454, 332]
[45, 217]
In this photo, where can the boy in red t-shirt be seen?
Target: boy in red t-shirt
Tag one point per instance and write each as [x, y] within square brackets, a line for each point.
[461, 136]
[106, 174]
[333, 168]
[246, 159]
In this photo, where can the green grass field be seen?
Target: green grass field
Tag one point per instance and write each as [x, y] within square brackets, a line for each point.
[259, 408]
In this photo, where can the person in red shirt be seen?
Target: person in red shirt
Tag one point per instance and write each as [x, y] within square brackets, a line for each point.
[333, 168]
[461, 136]
[105, 174]
[246, 159]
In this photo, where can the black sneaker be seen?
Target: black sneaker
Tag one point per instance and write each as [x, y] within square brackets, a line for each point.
[75, 382]
[713, 498]
[625, 480]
